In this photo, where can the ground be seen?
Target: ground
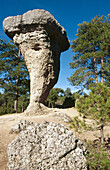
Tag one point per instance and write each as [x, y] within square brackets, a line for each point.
[8, 121]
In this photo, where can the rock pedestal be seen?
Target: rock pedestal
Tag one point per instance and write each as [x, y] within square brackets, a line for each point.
[41, 40]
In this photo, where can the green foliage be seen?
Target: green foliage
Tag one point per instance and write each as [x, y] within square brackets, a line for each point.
[96, 105]
[68, 102]
[67, 92]
[76, 95]
[97, 157]
[91, 62]
[58, 95]
[6, 104]
[13, 68]
[23, 102]
[69, 99]
[14, 77]
[78, 124]
[53, 96]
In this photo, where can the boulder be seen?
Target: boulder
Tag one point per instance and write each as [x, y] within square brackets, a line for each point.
[46, 146]
[41, 39]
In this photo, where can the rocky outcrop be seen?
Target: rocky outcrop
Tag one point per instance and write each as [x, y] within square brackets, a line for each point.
[46, 146]
[41, 40]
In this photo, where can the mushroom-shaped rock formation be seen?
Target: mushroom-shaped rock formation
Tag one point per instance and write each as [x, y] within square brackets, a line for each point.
[40, 39]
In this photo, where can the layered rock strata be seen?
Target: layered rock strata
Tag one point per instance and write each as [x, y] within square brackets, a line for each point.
[41, 40]
[46, 146]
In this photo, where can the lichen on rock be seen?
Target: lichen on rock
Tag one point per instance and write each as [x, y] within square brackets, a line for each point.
[46, 146]
[41, 40]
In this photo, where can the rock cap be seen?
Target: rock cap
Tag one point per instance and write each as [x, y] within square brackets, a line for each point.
[31, 20]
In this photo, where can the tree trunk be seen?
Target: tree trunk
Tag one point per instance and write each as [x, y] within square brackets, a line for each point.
[102, 133]
[102, 70]
[49, 105]
[16, 103]
[52, 105]
[16, 96]
[22, 108]
[95, 70]
[23, 105]
[6, 111]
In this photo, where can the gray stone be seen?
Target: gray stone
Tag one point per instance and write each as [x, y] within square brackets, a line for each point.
[41, 40]
[22, 125]
[46, 146]
[61, 116]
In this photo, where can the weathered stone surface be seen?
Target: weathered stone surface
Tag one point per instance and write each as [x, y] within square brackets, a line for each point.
[46, 146]
[22, 125]
[41, 40]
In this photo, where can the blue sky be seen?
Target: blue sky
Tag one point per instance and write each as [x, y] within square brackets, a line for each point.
[69, 14]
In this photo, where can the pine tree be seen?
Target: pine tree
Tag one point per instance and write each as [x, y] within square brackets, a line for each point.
[53, 96]
[92, 57]
[96, 106]
[14, 77]
[67, 92]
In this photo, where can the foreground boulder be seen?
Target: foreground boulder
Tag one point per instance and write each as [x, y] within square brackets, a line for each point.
[46, 146]
[41, 40]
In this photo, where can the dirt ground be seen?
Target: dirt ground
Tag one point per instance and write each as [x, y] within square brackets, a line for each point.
[8, 121]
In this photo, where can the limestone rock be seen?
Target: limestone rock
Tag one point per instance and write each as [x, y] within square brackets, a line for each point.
[46, 146]
[62, 116]
[41, 40]
[22, 125]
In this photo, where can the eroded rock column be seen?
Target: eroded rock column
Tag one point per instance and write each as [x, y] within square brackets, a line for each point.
[41, 40]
